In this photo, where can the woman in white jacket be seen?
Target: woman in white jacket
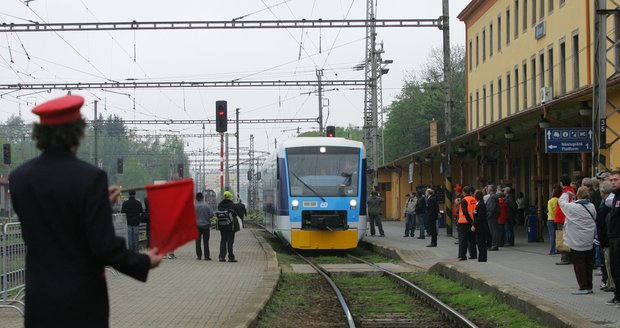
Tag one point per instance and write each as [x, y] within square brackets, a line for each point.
[579, 230]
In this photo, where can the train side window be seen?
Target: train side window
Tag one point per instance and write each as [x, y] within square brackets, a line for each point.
[277, 168]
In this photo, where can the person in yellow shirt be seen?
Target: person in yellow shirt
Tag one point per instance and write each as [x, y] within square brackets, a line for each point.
[551, 205]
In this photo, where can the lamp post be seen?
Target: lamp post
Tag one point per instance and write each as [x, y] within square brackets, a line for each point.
[584, 112]
[509, 135]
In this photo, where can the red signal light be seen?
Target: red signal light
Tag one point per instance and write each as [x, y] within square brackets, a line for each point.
[330, 131]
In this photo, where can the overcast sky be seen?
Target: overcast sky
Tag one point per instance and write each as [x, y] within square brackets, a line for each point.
[212, 55]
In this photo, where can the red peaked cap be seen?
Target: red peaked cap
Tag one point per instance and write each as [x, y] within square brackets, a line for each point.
[458, 188]
[60, 110]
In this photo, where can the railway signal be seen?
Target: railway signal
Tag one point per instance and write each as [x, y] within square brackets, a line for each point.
[330, 131]
[180, 170]
[221, 116]
[119, 166]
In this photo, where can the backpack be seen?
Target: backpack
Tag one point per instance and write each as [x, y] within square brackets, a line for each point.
[225, 220]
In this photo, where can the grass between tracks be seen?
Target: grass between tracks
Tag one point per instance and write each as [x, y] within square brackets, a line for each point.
[484, 309]
[301, 295]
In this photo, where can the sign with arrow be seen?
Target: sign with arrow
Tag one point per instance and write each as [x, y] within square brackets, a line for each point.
[568, 140]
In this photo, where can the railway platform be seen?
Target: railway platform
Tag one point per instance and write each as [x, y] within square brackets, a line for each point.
[523, 275]
[185, 292]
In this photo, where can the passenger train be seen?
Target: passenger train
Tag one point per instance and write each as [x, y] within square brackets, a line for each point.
[314, 193]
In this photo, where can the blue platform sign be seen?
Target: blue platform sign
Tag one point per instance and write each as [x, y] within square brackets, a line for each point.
[568, 140]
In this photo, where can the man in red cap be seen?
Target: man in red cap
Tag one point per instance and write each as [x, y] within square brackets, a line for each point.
[63, 204]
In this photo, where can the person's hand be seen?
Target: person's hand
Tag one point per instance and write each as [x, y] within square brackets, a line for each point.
[114, 194]
[154, 258]
[473, 228]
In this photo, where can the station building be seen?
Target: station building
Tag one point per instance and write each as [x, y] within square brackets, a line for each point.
[530, 71]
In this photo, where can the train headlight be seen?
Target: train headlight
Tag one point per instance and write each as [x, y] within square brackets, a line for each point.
[295, 204]
[353, 204]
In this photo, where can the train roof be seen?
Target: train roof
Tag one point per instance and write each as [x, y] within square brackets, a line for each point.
[319, 141]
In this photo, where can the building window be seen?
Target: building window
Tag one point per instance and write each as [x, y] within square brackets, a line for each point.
[508, 95]
[499, 98]
[541, 64]
[525, 15]
[491, 96]
[575, 61]
[562, 2]
[524, 85]
[491, 40]
[516, 89]
[534, 91]
[541, 14]
[550, 6]
[471, 55]
[484, 105]
[477, 109]
[516, 32]
[617, 45]
[533, 12]
[551, 69]
[499, 33]
[484, 46]
[477, 52]
[562, 67]
[471, 112]
[507, 27]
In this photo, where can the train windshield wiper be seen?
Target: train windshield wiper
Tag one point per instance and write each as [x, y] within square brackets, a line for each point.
[307, 186]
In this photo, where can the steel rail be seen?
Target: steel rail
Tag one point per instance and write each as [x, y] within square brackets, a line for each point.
[341, 300]
[218, 25]
[446, 310]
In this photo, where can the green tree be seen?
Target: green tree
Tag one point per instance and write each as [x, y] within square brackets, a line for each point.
[350, 132]
[421, 100]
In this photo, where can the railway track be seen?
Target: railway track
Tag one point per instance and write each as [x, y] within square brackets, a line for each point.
[452, 317]
[446, 311]
[343, 304]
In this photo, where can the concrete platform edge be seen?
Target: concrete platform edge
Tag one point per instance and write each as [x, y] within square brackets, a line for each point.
[247, 316]
[541, 310]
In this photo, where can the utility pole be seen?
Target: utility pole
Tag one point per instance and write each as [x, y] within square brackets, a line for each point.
[447, 92]
[222, 164]
[237, 135]
[599, 89]
[96, 137]
[379, 106]
[319, 75]
[226, 169]
[370, 98]
[203, 166]
[252, 177]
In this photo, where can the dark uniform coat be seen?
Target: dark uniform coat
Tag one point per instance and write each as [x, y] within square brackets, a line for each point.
[64, 209]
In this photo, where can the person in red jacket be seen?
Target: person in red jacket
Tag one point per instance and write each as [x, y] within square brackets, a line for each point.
[501, 220]
[560, 217]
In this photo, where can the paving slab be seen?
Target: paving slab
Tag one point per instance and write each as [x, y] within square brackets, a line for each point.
[185, 292]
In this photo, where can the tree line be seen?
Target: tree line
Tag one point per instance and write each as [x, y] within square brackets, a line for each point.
[144, 159]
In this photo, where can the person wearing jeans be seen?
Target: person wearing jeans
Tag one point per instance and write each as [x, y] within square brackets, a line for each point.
[420, 213]
[410, 215]
[132, 208]
[203, 223]
[551, 205]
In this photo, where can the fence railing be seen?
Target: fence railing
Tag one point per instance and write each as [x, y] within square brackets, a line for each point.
[13, 269]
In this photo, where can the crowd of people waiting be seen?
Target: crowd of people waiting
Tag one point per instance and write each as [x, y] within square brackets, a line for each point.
[583, 223]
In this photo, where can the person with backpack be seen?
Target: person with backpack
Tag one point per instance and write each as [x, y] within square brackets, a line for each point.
[227, 232]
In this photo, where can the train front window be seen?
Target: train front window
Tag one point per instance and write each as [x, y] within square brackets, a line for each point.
[319, 171]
